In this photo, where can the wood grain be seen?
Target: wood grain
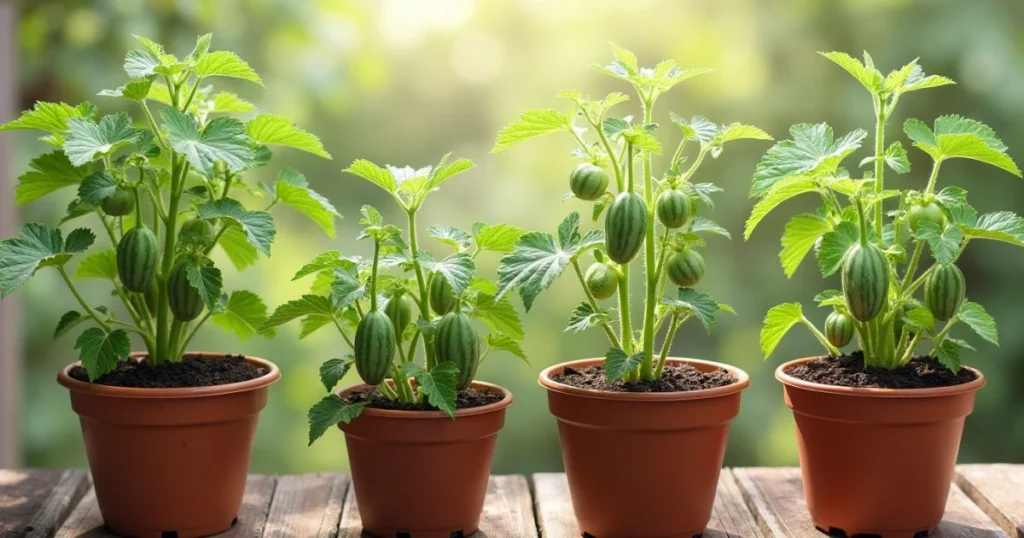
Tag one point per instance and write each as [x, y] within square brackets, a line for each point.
[85, 520]
[998, 490]
[307, 505]
[35, 503]
[252, 516]
[776, 498]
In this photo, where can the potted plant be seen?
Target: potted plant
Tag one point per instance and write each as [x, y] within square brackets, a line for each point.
[878, 429]
[168, 432]
[635, 400]
[390, 308]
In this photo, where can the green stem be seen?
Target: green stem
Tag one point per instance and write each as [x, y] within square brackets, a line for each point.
[152, 124]
[862, 219]
[164, 342]
[650, 265]
[625, 324]
[387, 391]
[85, 306]
[909, 353]
[673, 326]
[373, 276]
[424, 302]
[915, 258]
[942, 335]
[821, 337]
[191, 94]
[108, 228]
[593, 304]
[919, 282]
[933, 177]
[619, 183]
[879, 168]
[177, 328]
[696, 164]
[195, 329]
[344, 336]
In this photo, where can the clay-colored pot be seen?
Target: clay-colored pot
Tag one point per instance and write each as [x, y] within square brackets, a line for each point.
[877, 461]
[169, 460]
[421, 474]
[643, 465]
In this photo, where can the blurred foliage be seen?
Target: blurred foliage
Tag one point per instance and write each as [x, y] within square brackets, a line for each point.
[401, 81]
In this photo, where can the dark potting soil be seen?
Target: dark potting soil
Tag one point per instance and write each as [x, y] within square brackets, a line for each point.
[192, 371]
[464, 399]
[849, 371]
[681, 378]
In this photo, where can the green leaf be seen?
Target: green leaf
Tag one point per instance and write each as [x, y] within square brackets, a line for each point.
[457, 269]
[958, 137]
[617, 364]
[445, 171]
[830, 298]
[1000, 226]
[49, 172]
[136, 90]
[333, 370]
[497, 237]
[531, 123]
[802, 232]
[369, 171]
[438, 385]
[896, 158]
[258, 225]
[951, 196]
[278, 130]
[917, 80]
[949, 353]
[700, 305]
[642, 140]
[223, 63]
[236, 245]
[207, 281]
[100, 352]
[79, 240]
[503, 342]
[919, 319]
[68, 321]
[866, 74]
[539, 259]
[101, 265]
[327, 413]
[450, 235]
[293, 190]
[614, 127]
[226, 102]
[499, 315]
[21, 256]
[777, 323]
[85, 139]
[221, 140]
[944, 243]
[812, 151]
[305, 306]
[979, 320]
[834, 246]
[331, 259]
[777, 194]
[97, 187]
[585, 317]
[243, 314]
[50, 117]
[347, 288]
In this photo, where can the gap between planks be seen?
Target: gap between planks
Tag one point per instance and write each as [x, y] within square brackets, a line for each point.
[998, 490]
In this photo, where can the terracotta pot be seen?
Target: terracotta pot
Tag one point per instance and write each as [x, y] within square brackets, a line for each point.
[643, 465]
[877, 461]
[421, 474]
[169, 460]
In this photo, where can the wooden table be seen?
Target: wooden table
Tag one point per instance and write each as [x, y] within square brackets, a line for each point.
[986, 501]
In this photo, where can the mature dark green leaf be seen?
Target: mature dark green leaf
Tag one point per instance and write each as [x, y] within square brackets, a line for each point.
[207, 280]
[223, 139]
[347, 288]
[258, 225]
[438, 384]
[700, 305]
[69, 320]
[834, 246]
[450, 235]
[1000, 226]
[457, 269]
[85, 139]
[499, 315]
[244, 314]
[585, 317]
[333, 370]
[502, 342]
[979, 320]
[100, 351]
[49, 172]
[943, 242]
[97, 187]
[307, 305]
[949, 353]
[37, 245]
[327, 413]
[617, 364]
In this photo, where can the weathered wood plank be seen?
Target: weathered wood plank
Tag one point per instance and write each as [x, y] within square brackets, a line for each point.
[307, 505]
[777, 500]
[85, 521]
[729, 517]
[507, 511]
[34, 503]
[998, 490]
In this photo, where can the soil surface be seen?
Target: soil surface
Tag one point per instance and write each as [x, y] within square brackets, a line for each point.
[464, 399]
[675, 378]
[192, 371]
[849, 371]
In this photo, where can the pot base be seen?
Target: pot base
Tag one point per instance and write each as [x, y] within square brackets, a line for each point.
[460, 532]
[833, 531]
[684, 535]
[177, 533]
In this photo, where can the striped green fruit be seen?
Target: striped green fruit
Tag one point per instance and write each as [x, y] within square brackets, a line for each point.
[625, 225]
[399, 311]
[673, 208]
[441, 296]
[685, 268]
[374, 347]
[601, 281]
[137, 254]
[865, 281]
[185, 302]
[944, 291]
[588, 181]
[456, 341]
[839, 329]
[119, 204]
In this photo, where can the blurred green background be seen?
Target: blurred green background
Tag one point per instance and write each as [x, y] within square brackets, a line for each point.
[405, 81]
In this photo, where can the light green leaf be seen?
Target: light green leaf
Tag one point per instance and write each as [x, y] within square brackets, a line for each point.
[457, 269]
[949, 353]
[531, 123]
[802, 232]
[136, 90]
[917, 80]
[50, 172]
[223, 63]
[1000, 226]
[243, 314]
[347, 288]
[438, 385]
[497, 237]
[236, 245]
[101, 265]
[919, 319]
[739, 131]
[944, 243]
[642, 140]
[896, 158]
[700, 305]
[450, 235]
[830, 298]
[369, 171]
[327, 413]
[777, 323]
[222, 140]
[85, 139]
[585, 317]
[305, 306]
[778, 193]
[333, 370]
[445, 171]
[21, 256]
[499, 315]
[867, 75]
[958, 137]
[293, 190]
[225, 102]
[979, 320]
[834, 246]
[502, 342]
[50, 117]
[100, 352]
[97, 187]
[270, 129]
[813, 151]
[201, 48]
[331, 259]
[706, 225]
[258, 225]
[617, 364]
[951, 196]
[207, 281]
[68, 321]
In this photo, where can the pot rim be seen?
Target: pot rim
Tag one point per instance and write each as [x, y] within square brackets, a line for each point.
[273, 374]
[742, 382]
[790, 381]
[459, 413]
